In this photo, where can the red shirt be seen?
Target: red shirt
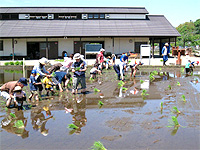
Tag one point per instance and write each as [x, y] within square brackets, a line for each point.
[100, 55]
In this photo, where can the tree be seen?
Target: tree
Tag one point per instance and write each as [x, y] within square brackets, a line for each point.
[197, 26]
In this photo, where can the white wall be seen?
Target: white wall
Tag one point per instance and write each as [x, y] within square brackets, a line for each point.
[120, 44]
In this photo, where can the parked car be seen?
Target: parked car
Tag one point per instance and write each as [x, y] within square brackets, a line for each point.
[197, 53]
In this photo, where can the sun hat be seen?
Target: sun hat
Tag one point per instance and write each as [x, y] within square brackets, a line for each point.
[166, 44]
[17, 88]
[23, 81]
[102, 50]
[77, 56]
[43, 61]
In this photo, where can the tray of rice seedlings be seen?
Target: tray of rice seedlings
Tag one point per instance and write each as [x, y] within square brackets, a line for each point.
[173, 122]
[141, 81]
[53, 74]
[98, 146]
[178, 83]
[161, 73]
[155, 72]
[96, 90]
[19, 124]
[72, 126]
[151, 77]
[183, 98]
[175, 110]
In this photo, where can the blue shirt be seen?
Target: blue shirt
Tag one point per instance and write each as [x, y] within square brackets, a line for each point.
[32, 80]
[60, 76]
[124, 57]
[81, 64]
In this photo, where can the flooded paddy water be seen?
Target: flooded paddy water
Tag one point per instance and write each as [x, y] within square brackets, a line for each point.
[126, 120]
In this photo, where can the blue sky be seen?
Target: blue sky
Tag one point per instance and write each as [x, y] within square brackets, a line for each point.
[176, 11]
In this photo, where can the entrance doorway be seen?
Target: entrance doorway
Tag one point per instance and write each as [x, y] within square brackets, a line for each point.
[37, 50]
[137, 46]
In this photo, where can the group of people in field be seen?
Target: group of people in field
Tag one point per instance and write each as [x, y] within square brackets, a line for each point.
[48, 78]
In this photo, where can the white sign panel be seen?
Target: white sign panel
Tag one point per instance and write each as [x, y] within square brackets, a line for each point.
[145, 50]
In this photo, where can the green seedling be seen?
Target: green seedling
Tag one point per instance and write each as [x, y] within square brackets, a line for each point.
[141, 81]
[155, 72]
[100, 103]
[182, 69]
[12, 115]
[91, 79]
[53, 74]
[120, 83]
[72, 126]
[98, 146]
[129, 61]
[161, 73]
[77, 68]
[161, 60]
[96, 90]
[151, 77]
[173, 122]
[178, 83]
[183, 98]
[144, 93]
[19, 124]
[161, 105]
[175, 109]
[170, 87]
[160, 68]
[124, 89]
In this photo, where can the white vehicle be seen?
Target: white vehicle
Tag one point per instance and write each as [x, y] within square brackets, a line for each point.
[197, 53]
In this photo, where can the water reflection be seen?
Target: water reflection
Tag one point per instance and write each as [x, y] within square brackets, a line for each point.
[78, 107]
[8, 124]
[39, 121]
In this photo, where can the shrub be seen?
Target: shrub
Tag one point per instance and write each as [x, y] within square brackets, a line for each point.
[11, 63]
[6, 63]
[21, 63]
[17, 63]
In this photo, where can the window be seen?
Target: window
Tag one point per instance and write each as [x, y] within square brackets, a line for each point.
[14, 16]
[5, 16]
[90, 16]
[102, 16]
[1, 45]
[96, 16]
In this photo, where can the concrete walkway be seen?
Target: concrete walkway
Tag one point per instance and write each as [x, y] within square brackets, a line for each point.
[146, 61]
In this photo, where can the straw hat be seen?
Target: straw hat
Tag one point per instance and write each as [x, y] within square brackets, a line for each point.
[17, 88]
[43, 61]
[166, 44]
[77, 56]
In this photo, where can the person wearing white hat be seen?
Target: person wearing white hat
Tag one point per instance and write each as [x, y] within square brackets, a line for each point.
[41, 71]
[78, 68]
[165, 53]
[19, 97]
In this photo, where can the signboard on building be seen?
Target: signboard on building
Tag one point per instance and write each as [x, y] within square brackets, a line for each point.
[92, 48]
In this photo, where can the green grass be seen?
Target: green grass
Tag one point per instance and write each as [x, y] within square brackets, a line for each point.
[11, 63]
[60, 60]
[98, 146]
[6, 63]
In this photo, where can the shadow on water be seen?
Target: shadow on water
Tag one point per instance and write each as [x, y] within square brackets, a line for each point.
[126, 119]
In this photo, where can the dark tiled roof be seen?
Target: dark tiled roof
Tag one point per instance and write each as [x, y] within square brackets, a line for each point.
[156, 25]
[140, 10]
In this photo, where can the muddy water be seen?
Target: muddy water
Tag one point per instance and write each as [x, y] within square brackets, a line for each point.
[125, 121]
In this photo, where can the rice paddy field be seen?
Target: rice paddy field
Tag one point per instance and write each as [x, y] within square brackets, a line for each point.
[159, 109]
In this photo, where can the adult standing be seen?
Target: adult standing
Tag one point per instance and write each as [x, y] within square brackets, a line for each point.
[100, 58]
[41, 72]
[119, 69]
[165, 53]
[7, 89]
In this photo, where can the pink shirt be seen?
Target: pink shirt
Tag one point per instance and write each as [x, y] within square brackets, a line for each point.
[68, 62]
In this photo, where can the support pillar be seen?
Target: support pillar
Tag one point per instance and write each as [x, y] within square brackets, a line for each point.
[153, 48]
[80, 50]
[13, 49]
[113, 45]
[47, 49]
